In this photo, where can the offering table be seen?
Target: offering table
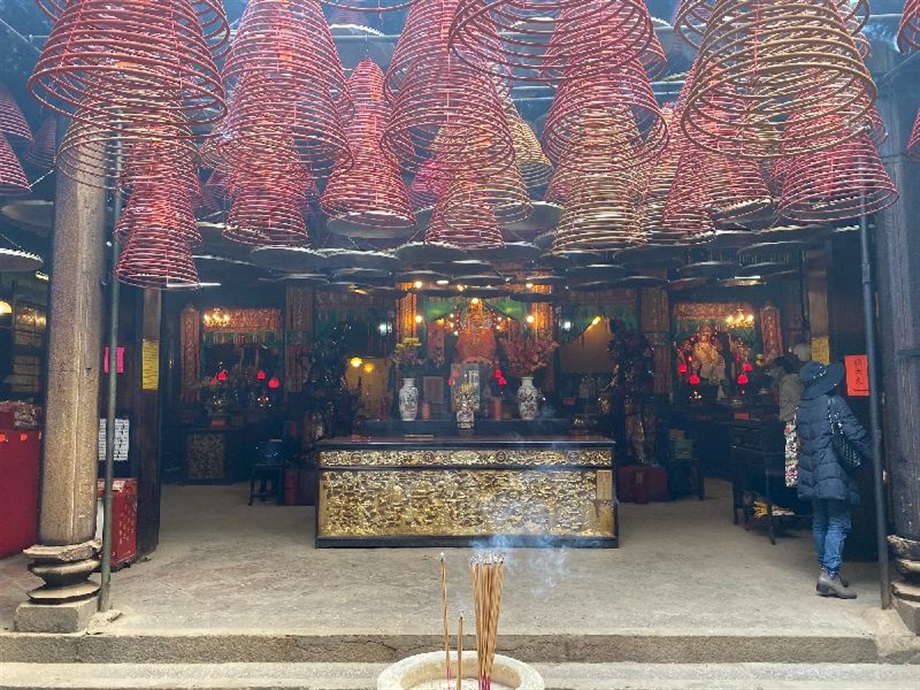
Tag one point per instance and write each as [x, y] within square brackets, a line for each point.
[452, 491]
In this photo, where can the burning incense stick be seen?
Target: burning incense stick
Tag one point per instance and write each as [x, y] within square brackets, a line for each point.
[446, 626]
[460, 653]
[486, 573]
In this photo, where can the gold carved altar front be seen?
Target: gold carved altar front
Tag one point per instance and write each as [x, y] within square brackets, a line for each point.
[529, 492]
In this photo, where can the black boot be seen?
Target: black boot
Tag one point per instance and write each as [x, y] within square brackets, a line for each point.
[833, 587]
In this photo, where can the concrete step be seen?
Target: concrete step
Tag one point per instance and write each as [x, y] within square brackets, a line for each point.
[357, 676]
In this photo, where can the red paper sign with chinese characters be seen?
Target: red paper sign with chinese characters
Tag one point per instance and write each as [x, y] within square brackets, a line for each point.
[857, 367]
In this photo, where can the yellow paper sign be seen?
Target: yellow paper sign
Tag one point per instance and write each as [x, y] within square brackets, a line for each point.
[150, 365]
[821, 349]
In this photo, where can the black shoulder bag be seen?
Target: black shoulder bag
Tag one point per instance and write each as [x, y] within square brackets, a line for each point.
[847, 454]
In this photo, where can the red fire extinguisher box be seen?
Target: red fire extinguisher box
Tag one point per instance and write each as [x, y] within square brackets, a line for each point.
[19, 472]
[124, 520]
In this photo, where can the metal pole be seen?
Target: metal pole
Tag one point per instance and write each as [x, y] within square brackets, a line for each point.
[112, 380]
[881, 529]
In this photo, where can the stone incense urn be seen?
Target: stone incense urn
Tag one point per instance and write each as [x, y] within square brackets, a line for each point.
[426, 672]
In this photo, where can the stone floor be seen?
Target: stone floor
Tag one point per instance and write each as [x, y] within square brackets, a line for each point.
[685, 586]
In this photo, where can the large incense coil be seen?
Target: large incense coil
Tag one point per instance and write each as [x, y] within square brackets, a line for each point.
[169, 203]
[846, 181]
[657, 185]
[215, 193]
[451, 112]
[371, 192]
[685, 213]
[155, 255]
[287, 75]
[212, 18]
[913, 144]
[93, 145]
[599, 215]
[691, 17]
[533, 164]
[42, 150]
[422, 42]
[13, 179]
[536, 40]
[464, 218]
[619, 34]
[762, 61]
[124, 52]
[589, 104]
[503, 190]
[909, 28]
[12, 122]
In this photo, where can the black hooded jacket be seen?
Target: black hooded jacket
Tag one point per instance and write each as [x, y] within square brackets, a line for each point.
[820, 474]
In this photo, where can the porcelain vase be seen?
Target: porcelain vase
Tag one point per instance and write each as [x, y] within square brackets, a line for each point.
[527, 398]
[408, 400]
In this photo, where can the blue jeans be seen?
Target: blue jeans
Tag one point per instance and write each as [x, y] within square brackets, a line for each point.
[830, 524]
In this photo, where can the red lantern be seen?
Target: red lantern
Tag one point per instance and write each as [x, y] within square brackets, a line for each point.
[222, 376]
[502, 381]
[274, 383]
[260, 375]
[682, 369]
[450, 382]
[746, 367]
[742, 380]
[498, 373]
[694, 380]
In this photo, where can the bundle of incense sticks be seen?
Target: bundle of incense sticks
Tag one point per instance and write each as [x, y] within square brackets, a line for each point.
[486, 573]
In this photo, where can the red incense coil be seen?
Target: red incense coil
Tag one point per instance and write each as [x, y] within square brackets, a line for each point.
[288, 77]
[843, 182]
[535, 40]
[42, 150]
[614, 98]
[759, 62]
[464, 217]
[624, 35]
[686, 213]
[451, 112]
[909, 28]
[657, 185]
[13, 179]
[125, 52]
[422, 43]
[371, 192]
[155, 256]
[913, 144]
[362, 6]
[12, 122]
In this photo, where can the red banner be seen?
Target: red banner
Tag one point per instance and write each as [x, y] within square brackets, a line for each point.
[857, 367]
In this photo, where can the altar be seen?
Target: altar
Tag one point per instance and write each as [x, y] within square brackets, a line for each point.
[475, 490]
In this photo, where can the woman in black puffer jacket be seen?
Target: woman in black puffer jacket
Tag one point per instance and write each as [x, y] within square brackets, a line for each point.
[822, 479]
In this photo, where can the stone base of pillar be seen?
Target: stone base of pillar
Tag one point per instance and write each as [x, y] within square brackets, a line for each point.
[906, 593]
[68, 617]
[67, 600]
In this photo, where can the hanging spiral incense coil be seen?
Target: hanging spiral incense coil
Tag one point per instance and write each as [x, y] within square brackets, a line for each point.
[422, 43]
[658, 183]
[909, 28]
[913, 144]
[13, 179]
[761, 61]
[43, 148]
[212, 20]
[620, 98]
[502, 189]
[685, 213]
[156, 255]
[464, 217]
[287, 76]
[534, 166]
[843, 182]
[536, 40]
[451, 112]
[94, 143]
[619, 34]
[370, 193]
[125, 52]
[12, 122]
[691, 17]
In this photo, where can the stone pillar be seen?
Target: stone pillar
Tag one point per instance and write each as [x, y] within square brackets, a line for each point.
[897, 260]
[67, 552]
